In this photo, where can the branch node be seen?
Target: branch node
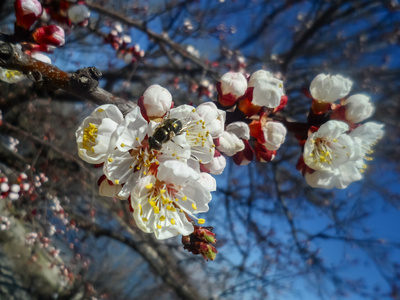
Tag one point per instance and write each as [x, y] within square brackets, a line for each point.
[6, 52]
[86, 79]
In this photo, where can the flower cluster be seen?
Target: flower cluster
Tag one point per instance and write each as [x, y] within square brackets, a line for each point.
[67, 13]
[122, 43]
[15, 190]
[335, 150]
[44, 38]
[155, 157]
[253, 101]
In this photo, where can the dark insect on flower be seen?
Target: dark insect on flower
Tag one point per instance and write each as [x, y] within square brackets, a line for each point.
[165, 132]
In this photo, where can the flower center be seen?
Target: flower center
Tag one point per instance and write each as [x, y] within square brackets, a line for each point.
[89, 137]
[322, 152]
[144, 161]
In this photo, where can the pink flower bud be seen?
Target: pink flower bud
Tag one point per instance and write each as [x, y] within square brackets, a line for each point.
[49, 35]
[27, 12]
[233, 83]
[156, 101]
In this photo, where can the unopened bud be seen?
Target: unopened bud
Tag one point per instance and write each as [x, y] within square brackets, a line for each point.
[49, 35]
[27, 12]
[206, 250]
[206, 235]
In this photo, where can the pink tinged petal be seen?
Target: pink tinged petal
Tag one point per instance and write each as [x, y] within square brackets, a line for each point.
[157, 101]
[267, 89]
[233, 83]
[176, 172]
[329, 88]
[358, 108]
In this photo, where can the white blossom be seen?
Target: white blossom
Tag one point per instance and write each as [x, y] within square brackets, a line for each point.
[364, 137]
[128, 155]
[160, 203]
[197, 132]
[93, 136]
[267, 89]
[329, 88]
[358, 108]
[11, 76]
[329, 147]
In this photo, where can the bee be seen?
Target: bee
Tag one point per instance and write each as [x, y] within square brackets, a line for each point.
[165, 132]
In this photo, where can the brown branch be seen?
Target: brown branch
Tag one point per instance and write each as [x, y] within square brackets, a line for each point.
[80, 84]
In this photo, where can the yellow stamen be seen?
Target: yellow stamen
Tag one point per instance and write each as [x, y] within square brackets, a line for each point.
[201, 221]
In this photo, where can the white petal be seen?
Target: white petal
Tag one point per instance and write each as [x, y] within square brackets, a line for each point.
[214, 118]
[329, 88]
[176, 172]
[132, 131]
[208, 181]
[233, 83]
[230, 144]
[267, 89]
[358, 108]
[240, 129]
[217, 165]
[274, 134]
